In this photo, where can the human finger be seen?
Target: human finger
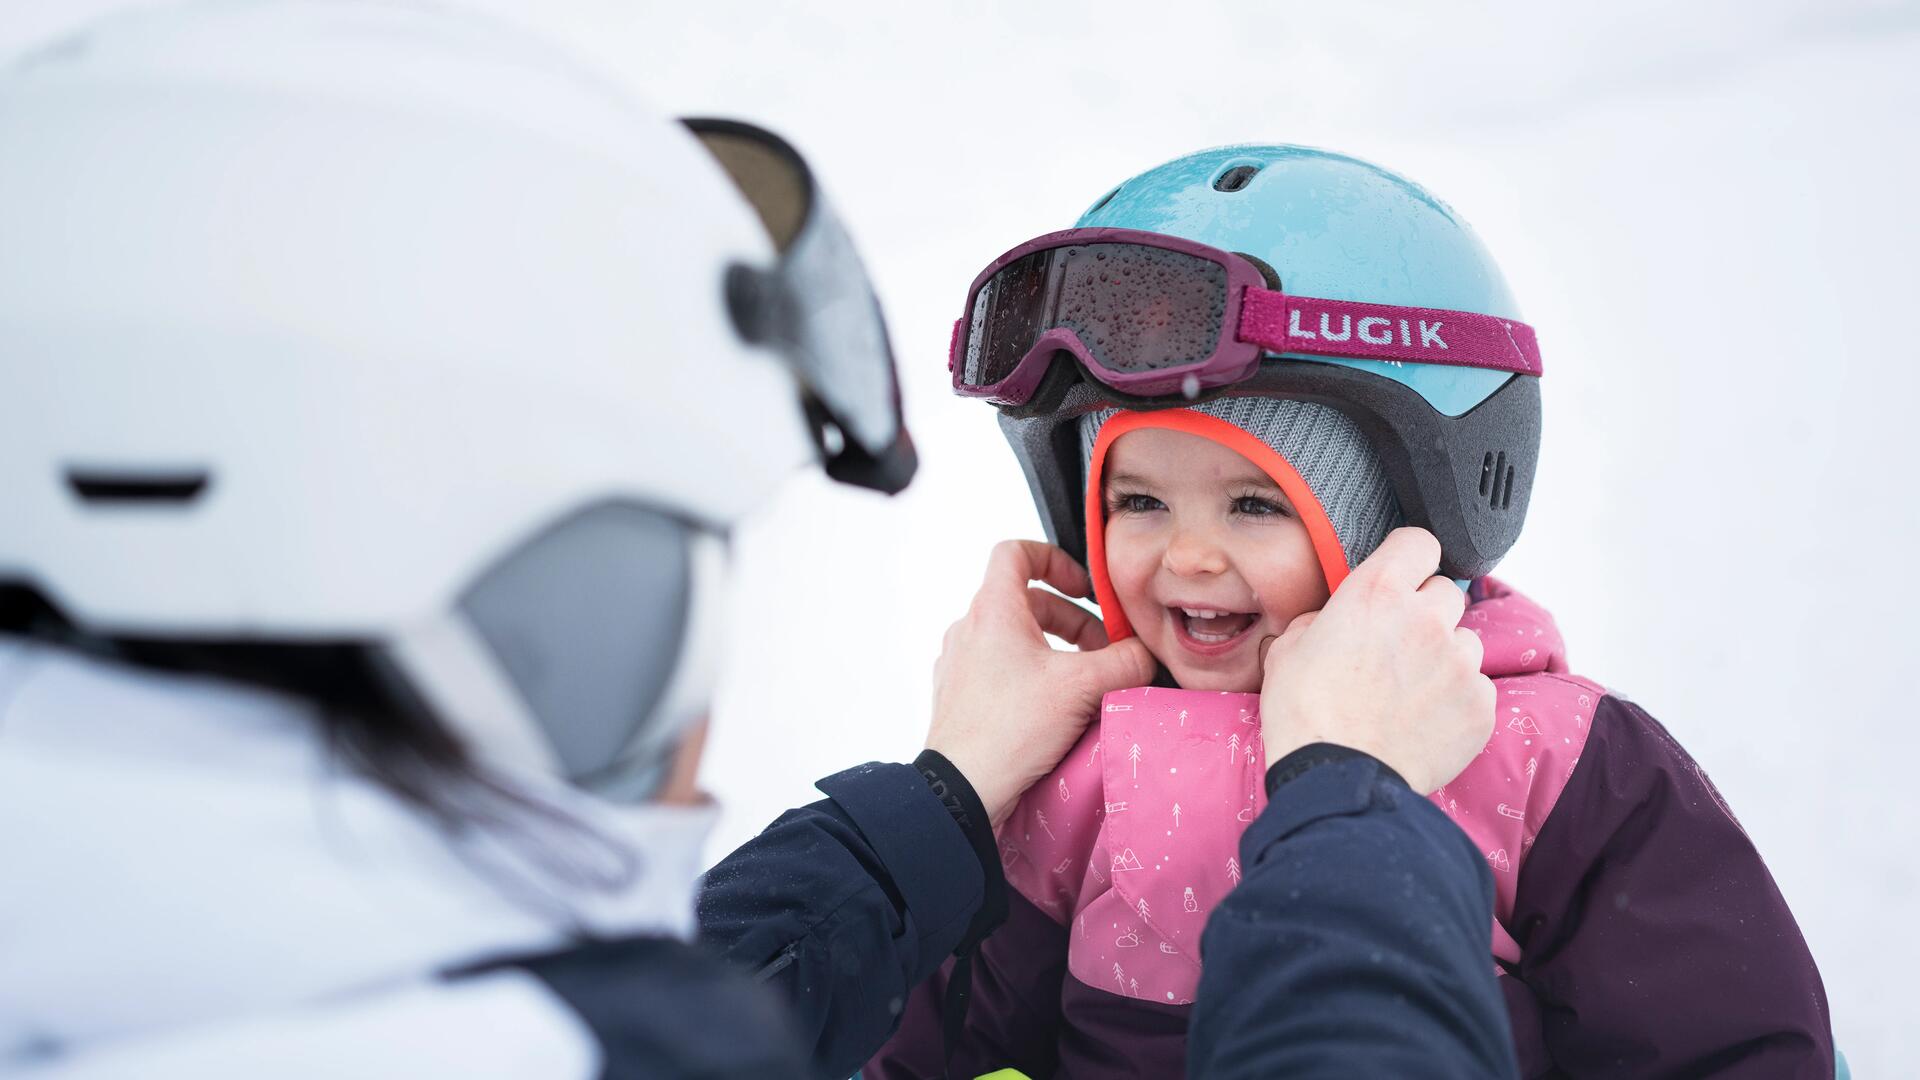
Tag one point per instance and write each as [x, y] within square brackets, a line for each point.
[1125, 663]
[1470, 646]
[1405, 559]
[1445, 595]
[1066, 620]
[1014, 563]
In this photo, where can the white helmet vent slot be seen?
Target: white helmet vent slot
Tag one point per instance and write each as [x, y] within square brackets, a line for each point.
[141, 487]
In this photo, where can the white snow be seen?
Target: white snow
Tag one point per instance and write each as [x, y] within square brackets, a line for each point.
[1706, 212]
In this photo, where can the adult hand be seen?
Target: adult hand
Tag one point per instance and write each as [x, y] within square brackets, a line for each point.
[1384, 668]
[1007, 706]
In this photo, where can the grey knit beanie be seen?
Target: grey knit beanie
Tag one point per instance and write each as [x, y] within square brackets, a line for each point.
[1323, 446]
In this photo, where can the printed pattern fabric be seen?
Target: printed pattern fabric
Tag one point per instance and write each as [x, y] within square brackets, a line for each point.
[1135, 837]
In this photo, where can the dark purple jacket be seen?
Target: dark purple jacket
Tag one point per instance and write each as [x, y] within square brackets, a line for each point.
[1655, 943]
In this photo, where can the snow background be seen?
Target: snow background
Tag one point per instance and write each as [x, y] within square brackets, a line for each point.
[1703, 208]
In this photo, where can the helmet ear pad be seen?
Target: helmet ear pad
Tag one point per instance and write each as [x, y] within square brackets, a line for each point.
[1466, 478]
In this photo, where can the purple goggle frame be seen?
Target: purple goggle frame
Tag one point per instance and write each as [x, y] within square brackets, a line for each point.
[1149, 315]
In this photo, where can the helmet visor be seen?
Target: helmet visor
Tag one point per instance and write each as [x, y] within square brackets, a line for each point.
[816, 308]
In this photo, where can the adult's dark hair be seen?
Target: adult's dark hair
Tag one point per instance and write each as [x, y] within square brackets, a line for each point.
[376, 726]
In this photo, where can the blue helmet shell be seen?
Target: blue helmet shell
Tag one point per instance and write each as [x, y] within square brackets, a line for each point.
[1331, 226]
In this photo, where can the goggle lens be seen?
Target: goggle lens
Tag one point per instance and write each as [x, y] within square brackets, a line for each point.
[1133, 307]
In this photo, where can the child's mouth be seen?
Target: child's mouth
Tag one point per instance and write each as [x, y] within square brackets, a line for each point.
[1211, 630]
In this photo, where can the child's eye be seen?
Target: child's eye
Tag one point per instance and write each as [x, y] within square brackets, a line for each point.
[1254, 506]
[1134, 504]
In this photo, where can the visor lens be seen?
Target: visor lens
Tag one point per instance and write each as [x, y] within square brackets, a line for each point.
[767, 174]
[1134, 307]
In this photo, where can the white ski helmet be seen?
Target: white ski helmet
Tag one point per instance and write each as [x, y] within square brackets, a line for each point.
[389, 333]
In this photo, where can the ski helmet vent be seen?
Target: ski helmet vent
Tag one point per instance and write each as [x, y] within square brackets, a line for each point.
[126, 487]
[1235, 178]
[1104, 200]
[1496, 480]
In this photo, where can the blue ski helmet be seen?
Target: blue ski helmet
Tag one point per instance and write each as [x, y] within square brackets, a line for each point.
[1459, 444]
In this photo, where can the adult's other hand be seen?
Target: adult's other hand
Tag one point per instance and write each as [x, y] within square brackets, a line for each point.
[1007, 705]
[1384, 668]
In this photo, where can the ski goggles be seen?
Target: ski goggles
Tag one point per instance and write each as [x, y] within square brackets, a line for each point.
[1150, 315]
[815, 307]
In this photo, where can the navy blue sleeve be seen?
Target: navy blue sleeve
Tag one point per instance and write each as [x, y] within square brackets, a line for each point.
[1359, 943]
[845, 905]
[659, 1007]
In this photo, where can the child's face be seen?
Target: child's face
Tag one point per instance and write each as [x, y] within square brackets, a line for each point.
[1193, 526]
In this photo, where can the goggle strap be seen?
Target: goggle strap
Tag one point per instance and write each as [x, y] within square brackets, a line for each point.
[1283, 323]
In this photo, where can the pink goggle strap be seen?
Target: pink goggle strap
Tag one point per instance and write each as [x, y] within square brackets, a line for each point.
[1303, 324]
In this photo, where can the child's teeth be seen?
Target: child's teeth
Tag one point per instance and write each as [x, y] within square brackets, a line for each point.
[1199, 624]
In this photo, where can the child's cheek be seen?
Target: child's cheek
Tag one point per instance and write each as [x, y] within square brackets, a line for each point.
[1131, 560]
[1128, 562]
[1291, 590]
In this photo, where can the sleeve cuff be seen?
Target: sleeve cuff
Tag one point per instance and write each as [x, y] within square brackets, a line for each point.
[923, 848]
[963, 804]
[1296, 764]
[1317, 782]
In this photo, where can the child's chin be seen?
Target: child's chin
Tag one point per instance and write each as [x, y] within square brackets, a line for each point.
[1230, 682]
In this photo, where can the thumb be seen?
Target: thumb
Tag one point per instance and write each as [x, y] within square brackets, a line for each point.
[1125, 663]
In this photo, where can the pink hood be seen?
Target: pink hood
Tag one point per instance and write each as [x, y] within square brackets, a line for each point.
[1135, 836]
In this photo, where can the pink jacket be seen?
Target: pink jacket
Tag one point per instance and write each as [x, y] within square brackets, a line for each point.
[1135, 837]
[1641, 936]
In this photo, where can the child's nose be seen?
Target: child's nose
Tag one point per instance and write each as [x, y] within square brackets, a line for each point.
[1193, 552]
